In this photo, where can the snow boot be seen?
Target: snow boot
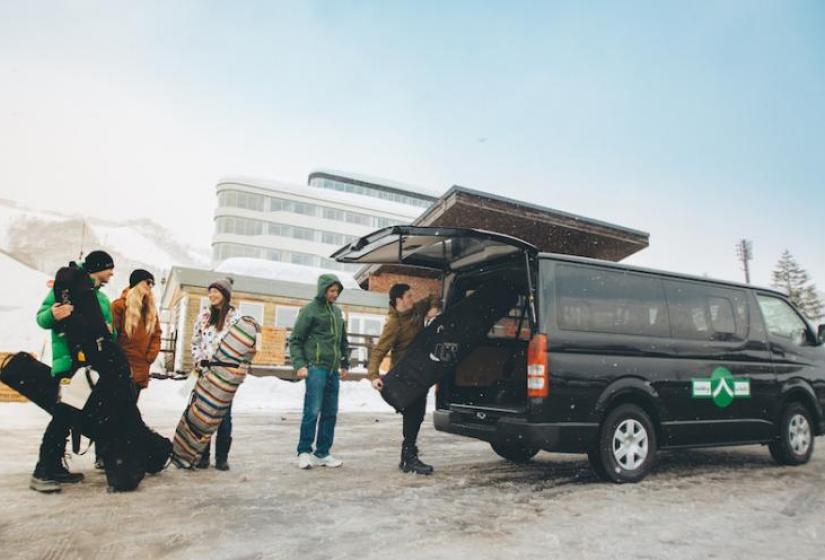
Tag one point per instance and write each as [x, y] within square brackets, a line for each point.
[411, 463]
[203, 463]
[222, 453]
[42, 482]
[61, 474]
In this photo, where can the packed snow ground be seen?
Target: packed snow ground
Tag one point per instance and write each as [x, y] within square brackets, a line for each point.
[728, 503]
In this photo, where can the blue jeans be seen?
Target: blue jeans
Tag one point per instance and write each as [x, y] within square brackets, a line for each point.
[321, 398]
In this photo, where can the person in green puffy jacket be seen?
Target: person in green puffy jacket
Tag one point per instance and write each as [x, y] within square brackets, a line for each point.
[319, 350]
[50, 471]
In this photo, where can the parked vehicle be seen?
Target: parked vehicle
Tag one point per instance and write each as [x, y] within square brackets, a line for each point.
[613, 360]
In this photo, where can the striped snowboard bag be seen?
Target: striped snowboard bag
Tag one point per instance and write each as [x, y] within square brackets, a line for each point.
[214, 391]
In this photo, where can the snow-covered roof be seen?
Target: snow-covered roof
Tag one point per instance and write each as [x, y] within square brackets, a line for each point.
[356, 202]
[286, 272]
[379, 181]
[291, 281]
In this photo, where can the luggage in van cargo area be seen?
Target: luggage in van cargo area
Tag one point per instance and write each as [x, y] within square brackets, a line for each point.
[446, 342]
[486, 365]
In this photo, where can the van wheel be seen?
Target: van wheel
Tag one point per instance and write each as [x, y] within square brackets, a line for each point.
[514, 452]
[796, 436]
[626, 450]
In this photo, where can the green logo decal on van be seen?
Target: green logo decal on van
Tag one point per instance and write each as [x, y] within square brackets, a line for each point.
[722, 387]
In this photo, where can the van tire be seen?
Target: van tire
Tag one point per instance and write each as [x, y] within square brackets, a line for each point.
[631, 422]
[514, 452]
[795, 443]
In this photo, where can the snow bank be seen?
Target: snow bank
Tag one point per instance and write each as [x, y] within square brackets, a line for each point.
[256, 394]
[265, 393]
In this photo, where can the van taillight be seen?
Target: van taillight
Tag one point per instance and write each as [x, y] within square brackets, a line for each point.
[538, 376]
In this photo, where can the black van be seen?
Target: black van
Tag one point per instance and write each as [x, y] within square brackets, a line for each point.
[615, 361]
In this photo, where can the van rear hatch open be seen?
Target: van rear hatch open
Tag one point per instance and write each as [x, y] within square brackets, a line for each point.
[436, 248]
[492, 379]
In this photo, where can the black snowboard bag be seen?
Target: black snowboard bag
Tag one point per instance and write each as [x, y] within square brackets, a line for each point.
[32, 379]
[446, 341]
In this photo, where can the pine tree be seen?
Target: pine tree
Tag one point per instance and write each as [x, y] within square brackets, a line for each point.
[791, 278]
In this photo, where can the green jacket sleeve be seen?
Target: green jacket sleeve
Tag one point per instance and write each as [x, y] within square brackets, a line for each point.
[382, 347]
[298, 337]
[44, 315]
[344, 345]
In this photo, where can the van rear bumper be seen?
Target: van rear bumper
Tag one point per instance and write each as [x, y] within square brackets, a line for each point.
[565, 437]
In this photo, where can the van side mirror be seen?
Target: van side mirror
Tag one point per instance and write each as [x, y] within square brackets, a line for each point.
[820, 334]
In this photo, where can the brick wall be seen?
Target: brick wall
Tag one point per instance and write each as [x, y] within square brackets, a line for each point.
[421, 287]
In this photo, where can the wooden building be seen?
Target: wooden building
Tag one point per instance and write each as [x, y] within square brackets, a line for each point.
[274, 303]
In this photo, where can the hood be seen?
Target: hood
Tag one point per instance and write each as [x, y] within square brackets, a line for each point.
[324, 282]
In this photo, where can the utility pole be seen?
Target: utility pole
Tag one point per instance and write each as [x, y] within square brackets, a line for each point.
[82, 238]
[744, 249]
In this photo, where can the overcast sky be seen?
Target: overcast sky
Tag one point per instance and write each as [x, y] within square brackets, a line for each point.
[699, 122]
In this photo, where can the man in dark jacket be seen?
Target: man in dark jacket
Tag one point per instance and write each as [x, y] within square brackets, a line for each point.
[405, 320]
[320, 354]
[50, 471]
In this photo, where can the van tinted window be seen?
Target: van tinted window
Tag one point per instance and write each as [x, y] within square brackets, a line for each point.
[706, 312]
[782, 321]
[597, 300]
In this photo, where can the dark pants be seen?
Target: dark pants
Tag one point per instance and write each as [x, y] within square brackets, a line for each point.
[53, 445]
[223, 437]
[413, 417]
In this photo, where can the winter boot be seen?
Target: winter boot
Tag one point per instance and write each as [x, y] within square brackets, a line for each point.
[222, 453]
[42, 482]
[60, 473]
[411, 463]
[203, 463]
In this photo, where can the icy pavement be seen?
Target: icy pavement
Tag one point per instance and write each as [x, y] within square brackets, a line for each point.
[731, 503]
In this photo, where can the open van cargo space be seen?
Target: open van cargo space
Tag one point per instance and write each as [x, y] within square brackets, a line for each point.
[494, 374]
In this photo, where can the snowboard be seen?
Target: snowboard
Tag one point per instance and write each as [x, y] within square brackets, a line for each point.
[214, 391]
[447, 340]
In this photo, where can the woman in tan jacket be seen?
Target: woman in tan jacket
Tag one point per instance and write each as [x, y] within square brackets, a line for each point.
[136, 323]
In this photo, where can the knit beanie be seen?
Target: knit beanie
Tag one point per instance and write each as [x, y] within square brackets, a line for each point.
[97, 261]
[139, 275]
[224, 286]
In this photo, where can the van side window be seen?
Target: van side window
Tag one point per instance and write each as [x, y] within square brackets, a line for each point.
[597, 300]
[782, 321]
[706, 313]
[721, 315]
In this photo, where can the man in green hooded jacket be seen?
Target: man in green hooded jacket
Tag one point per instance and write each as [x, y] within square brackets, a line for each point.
[50, 471]
[319, 350]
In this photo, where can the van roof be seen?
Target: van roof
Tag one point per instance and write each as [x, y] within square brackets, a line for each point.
[621, 266]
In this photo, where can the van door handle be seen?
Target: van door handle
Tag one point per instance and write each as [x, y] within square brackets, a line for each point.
[779, 352]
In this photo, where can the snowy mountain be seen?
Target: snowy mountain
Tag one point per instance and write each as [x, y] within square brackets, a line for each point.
[46, 240]
[22, 289]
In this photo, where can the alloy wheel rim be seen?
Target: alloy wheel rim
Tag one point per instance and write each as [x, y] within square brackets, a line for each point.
[630, 444]
[799, 432]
